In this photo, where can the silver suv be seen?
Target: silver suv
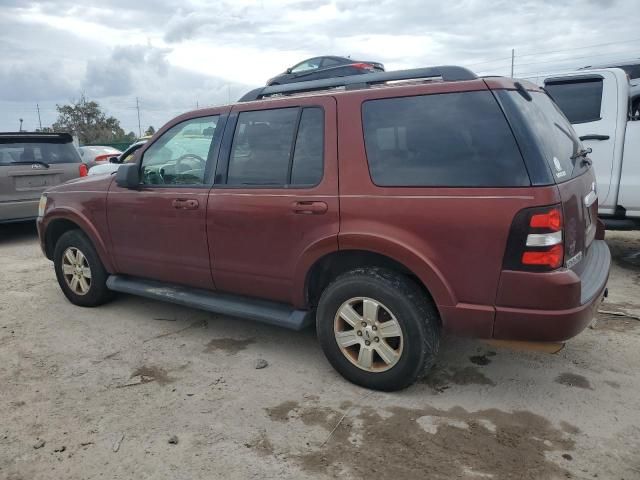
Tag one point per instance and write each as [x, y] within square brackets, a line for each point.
[29, 164]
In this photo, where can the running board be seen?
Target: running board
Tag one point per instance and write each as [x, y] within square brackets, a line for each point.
[264, 311]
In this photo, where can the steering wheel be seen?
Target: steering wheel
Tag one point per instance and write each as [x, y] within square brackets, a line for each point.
[187, 156]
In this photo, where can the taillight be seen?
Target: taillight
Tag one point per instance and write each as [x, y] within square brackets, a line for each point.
[551, 220]
[363, 66]
[547, 258]
[536, 240]
[83, 170]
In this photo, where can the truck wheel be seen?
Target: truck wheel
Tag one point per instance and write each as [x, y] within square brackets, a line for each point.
[80, 272]
[378, 329]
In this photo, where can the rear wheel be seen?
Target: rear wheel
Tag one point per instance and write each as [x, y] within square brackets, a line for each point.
[377, 328]
[80, 273]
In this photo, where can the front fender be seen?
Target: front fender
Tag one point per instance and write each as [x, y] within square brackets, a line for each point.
[86, 225]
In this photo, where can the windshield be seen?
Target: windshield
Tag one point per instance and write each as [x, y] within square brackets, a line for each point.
[553, 133]
[28, 152]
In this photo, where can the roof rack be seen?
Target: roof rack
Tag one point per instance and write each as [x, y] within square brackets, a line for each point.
[448, 73]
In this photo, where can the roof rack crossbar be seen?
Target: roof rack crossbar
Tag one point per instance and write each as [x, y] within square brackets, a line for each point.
[448, 73]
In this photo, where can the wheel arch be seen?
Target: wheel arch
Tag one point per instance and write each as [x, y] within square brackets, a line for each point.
[328, 267]
[62, 221]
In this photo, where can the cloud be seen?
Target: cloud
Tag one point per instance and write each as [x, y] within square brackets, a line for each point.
[171, 54]
[30, 83]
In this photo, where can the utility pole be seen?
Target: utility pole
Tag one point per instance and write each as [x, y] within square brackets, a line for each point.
[20, 125]
[139, 127]
[39, 120]
[513, 57]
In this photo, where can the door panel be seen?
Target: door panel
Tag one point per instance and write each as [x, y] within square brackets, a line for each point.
[600, 134]
[629, 196]
[154, 238]
[158, 230]
[259, 235]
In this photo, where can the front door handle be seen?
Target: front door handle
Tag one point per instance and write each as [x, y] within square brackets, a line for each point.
[310, 208]
[184, 204]
[593, 136]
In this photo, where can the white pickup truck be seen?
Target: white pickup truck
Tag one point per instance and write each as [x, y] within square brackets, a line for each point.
[604, 109]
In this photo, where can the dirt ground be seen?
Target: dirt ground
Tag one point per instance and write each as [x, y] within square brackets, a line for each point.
[139, 389]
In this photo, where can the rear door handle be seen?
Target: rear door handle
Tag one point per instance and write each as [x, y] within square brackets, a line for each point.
[309, 208]
[593, 136]
[184, 204]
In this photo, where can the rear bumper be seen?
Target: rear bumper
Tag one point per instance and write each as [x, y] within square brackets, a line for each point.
[566, 302]
[17, 211]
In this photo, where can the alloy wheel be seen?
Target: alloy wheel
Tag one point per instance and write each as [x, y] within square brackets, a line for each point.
[76, 271]
[368, 334]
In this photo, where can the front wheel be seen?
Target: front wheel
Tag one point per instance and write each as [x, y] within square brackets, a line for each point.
[378, 329]
[80, 273]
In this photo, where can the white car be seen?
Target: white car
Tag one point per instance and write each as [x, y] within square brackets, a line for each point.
[112, 166]
[602, 108]
[96, 154]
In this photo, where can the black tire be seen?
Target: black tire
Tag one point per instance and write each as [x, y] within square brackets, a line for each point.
[97, 292]
[412, 309]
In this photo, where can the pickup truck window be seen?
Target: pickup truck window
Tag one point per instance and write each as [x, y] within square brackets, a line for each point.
[579, 100]
[180, 155]
[441, 140]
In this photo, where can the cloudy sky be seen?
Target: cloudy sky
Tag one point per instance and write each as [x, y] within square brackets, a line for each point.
[175, 54]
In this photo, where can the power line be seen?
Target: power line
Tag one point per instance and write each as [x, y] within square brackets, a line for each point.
[579, 48]
[560, 61]
[504, 59]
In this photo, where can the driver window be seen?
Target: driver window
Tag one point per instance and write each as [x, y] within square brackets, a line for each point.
[179, 156]
[308, 65]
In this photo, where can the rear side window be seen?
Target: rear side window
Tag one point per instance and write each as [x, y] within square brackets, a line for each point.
[307, 157]
[551, 132]
[448, 140]
[277, 147]
[579, 100]
[50, 153]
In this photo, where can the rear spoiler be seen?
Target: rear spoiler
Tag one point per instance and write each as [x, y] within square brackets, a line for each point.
[35, 137]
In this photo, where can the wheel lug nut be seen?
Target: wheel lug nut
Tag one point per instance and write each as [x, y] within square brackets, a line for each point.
[376, 339]
[367, 343]
[374, 328]
[364, 324]
[359, 333]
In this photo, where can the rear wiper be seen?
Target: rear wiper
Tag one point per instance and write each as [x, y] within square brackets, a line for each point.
[38, 162]
[583, 153]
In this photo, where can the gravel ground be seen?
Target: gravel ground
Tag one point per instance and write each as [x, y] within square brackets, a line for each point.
[141, 389]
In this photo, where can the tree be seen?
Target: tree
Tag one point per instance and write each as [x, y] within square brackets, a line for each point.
[85, 119]
[150, 130]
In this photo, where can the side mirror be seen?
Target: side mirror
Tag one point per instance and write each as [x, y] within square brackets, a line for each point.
[288, 70]
[128, 176]
[114, 159]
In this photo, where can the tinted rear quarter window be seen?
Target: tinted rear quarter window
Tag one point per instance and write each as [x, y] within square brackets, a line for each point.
[449, 140]
[550, 130]
[579, 100]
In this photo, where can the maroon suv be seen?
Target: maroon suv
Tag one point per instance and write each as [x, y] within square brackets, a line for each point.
[384, 208]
